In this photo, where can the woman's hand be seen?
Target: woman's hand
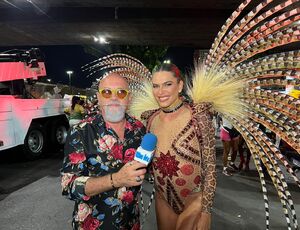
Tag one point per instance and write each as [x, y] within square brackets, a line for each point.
[191, 213]
[193, 220]
[203, 221]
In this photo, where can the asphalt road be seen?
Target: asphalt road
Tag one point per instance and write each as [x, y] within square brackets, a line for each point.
[30, 197]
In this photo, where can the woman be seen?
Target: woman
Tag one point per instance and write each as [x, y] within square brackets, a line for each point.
[242, 146]
[184, 162]
[230, 139]
[76, 111]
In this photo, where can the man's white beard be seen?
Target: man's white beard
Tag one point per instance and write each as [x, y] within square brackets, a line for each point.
[113, 113]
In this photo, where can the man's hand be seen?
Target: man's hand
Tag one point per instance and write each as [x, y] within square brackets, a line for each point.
[131, 174]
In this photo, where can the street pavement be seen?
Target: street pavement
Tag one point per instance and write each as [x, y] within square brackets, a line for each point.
[238, 203]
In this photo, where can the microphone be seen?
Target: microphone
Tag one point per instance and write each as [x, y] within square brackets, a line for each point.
[144, 153]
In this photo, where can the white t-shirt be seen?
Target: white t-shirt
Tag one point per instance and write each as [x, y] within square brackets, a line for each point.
[226, 123]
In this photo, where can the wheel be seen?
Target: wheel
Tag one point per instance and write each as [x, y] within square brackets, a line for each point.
[34, 143]
[59, 133]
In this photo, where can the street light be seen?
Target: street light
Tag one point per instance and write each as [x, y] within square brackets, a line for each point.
[70, 72]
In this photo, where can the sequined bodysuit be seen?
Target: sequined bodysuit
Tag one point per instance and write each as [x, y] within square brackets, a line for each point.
[184, 160]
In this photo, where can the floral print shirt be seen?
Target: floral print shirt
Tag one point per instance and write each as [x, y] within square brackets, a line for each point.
[94, 149]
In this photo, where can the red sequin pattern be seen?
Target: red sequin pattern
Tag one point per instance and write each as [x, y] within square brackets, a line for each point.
[180, 181]
[167, 165]
[187, 169]
[185, 192]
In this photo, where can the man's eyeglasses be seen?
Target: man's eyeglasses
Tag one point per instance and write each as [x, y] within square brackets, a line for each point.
[120, 93]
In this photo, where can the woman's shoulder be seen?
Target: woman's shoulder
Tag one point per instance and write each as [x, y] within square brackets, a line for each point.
[201, 110]
[202, 107]
[145, 116]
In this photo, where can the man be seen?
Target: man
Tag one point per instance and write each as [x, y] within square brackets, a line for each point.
[98, 172]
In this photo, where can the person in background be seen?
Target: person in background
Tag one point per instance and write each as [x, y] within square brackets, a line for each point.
[57, 93]
[76, 111]
[98, 171]
[184, 162]
[230, 139]
[244, 163]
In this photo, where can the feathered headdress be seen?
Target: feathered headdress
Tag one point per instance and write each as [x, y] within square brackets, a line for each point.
[126, 66]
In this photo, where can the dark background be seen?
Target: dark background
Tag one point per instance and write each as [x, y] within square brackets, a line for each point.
[59, 59]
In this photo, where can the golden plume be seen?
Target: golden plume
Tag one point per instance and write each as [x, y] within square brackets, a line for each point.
[143, 101]
[225, 96]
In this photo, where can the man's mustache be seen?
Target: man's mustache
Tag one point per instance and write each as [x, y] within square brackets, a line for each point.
[113, 103]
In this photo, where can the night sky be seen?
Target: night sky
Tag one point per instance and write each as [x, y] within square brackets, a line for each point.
[59, 59]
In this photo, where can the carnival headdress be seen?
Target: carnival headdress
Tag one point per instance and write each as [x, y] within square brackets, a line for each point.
[126, 66]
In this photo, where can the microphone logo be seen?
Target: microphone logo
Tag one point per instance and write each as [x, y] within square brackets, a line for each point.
[144, 153]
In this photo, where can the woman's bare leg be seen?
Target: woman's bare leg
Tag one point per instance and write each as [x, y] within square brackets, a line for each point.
[226, 150]
[234, 144]
[166, 218]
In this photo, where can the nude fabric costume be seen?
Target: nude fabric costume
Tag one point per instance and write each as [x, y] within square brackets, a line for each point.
[184, 160]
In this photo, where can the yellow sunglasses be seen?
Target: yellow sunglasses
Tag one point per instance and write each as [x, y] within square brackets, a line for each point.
[119, 93]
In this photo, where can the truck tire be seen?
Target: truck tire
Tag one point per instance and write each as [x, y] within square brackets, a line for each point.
[35, 142]
[59, 133]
